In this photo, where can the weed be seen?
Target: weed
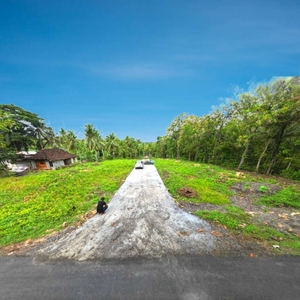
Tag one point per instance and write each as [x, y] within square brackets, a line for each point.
[263, 189]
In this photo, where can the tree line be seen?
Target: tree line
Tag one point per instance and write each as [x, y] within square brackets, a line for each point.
[257, 131]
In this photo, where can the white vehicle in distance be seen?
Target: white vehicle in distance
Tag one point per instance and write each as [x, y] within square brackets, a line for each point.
[19, 170]
[139, 165]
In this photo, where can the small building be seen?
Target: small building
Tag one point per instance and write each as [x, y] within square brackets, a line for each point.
[52, 159]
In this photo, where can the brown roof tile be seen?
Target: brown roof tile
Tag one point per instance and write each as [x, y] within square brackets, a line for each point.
[52, 155]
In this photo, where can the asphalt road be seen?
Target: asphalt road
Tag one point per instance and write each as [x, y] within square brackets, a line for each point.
[183, 277]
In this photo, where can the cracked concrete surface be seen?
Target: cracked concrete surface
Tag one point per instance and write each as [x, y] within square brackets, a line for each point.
[142, 220]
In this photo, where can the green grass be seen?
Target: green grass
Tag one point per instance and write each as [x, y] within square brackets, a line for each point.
[212, 185]
[287, 197]
[36, 204]
[237, 221]
[32, 205]
[209, 182]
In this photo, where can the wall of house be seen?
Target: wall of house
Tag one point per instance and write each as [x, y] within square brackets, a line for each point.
[57, 164]
[51, 165]
[33, 165]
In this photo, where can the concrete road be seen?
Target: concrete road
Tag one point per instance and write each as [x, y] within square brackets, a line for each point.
[142, 220]
[184, 278]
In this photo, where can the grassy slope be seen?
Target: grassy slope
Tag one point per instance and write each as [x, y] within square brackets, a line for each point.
[41, 202]
[35, 204]
[212, 185]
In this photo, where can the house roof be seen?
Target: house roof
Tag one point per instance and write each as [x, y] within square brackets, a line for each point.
[52, 154]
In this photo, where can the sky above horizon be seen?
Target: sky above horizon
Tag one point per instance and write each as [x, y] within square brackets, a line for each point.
[131, 67]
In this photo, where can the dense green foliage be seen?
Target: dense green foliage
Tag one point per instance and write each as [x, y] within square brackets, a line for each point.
[25, 129]
[258, 131]
[30, 205]
[20, 130]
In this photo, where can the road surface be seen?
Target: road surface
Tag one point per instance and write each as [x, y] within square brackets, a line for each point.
[182, 278]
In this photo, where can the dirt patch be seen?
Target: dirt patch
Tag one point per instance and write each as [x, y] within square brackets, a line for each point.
[165, 175]
[246, 195]
[187, 192]
[284, 219]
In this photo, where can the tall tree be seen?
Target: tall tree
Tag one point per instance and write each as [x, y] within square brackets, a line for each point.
[27, 129]
[111, 144]
[6, 153]
[173, 134]
[247, 114]
[281, 97]
[93, 140]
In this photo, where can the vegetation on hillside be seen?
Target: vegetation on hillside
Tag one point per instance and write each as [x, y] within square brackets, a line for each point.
[256, 131]
[214, 185]
[36, 204]
[43, 201]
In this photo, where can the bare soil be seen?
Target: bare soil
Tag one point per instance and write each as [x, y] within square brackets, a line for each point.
[246, 196]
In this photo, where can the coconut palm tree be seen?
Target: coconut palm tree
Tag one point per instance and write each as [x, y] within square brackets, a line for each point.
[93, 140]
[111, 144]
[71, 141]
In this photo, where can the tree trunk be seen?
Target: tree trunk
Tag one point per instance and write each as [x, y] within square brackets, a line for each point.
[216, 141]
[290, 163]
[178, 153]
[262, 155]
[276, 149]
[244, 154]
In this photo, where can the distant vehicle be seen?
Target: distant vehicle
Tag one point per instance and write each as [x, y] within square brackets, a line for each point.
[19, 170]
[139, 165]
[148, 162]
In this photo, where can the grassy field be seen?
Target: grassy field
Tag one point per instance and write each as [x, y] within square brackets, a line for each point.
[213, 185]
[42, 201]
[203, 179]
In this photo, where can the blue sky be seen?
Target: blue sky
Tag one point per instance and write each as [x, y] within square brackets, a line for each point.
[131, 67]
